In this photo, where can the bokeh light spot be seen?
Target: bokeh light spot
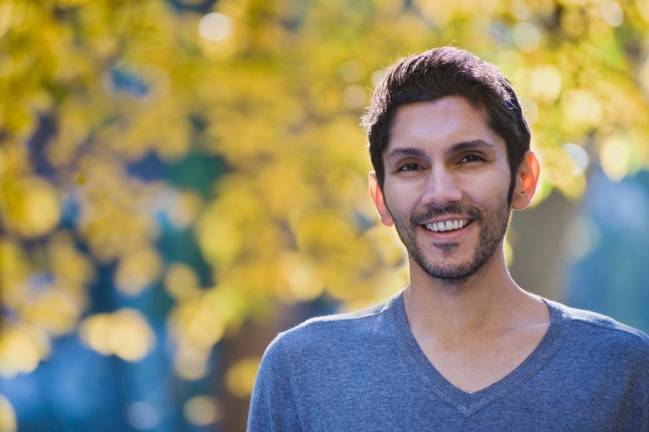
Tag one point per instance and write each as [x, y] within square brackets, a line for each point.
[181, 281]
[615, 157]
[124, 333]
[611, 13]
[579, 156]
[215, 27]
[527, 36]
[240, 378]
[546, 82]
[21, 349]
[31, 206]
[201, 410]
[7, 415]
[143, 415]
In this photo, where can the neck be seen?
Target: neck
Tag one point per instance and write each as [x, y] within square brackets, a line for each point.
[484, 304]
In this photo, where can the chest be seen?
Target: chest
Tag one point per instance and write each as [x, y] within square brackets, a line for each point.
[473, 366]
[401, 403]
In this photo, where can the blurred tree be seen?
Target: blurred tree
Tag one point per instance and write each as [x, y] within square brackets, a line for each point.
[275, 89]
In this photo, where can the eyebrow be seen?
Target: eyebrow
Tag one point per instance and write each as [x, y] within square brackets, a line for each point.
[404, 152]
[470, 145]
[455, 148]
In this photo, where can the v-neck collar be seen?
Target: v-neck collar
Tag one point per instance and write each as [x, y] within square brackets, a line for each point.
[469, 403]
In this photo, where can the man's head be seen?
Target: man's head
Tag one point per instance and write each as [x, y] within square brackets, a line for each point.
[442, 72]
[451, 155]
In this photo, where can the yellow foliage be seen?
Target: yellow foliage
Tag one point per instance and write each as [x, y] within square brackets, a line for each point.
[22, 347]
[545, 82]
[561, 170]
[199, 322]
[110, 214]
[29, 206]
[240, 378]
[54, 310]
[14, 272]
[387, 244]
[185, 209]
[7, 415]
[124, 333]
[73, 269]
[276, 89]
[181, 281]
[219, 238]
[190, 362]
[582, 109]
[158, 128]
[201, 410]
[137, 269]
[73, 120]
[615, 156]
[301, 276]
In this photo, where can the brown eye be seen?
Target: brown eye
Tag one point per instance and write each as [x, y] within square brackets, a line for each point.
[409, 167]
[471, 158]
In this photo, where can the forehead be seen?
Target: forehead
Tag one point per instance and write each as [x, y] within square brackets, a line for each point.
[440, 124]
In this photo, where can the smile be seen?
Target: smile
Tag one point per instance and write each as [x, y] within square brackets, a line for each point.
[449, 225]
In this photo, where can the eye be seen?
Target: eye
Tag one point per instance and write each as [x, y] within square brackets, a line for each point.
[409, 167]
[471, 157]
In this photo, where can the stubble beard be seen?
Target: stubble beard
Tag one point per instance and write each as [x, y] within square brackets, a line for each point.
[492, 231]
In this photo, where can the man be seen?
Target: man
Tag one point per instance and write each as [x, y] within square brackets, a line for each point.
[462, 348]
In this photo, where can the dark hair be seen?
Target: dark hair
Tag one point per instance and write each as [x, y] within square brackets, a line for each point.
[441, 72]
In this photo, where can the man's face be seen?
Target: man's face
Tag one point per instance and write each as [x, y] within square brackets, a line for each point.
[446, 184]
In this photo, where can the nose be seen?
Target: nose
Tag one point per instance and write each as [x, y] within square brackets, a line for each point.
[441, 188]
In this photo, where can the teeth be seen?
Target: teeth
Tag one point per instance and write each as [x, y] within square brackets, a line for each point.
[447, 225]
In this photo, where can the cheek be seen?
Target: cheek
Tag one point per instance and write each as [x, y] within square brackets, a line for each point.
[489, 190]
[400, 199]
[399, 190]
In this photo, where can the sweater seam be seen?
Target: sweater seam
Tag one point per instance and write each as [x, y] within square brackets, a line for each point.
[637, 336]
[345, 317]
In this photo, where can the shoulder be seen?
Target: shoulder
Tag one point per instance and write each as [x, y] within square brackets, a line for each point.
[601, 331]
[332, 334]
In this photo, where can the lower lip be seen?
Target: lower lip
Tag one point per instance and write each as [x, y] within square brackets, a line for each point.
[448, 235]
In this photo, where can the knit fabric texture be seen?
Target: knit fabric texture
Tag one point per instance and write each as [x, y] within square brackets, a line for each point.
[365, 372]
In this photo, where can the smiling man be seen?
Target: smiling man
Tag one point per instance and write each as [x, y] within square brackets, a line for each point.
[462, 347]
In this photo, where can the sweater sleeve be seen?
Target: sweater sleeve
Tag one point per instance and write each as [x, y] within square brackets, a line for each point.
[273, 403]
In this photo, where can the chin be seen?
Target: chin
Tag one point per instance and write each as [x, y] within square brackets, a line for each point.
[452, 271]
[451, 274]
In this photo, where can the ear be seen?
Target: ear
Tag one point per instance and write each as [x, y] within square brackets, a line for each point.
[527, 178]
[379, 201]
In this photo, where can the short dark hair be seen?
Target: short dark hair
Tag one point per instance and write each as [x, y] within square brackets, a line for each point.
[441, 72]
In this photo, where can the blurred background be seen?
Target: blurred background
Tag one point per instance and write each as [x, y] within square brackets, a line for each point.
[182, 179]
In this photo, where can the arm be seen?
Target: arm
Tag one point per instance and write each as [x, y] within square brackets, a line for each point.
[273, 404]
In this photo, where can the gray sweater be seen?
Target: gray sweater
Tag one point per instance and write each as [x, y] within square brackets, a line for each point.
[366, 372]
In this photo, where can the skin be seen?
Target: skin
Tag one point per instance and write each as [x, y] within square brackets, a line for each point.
[466, 312]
